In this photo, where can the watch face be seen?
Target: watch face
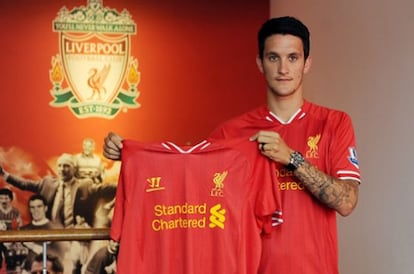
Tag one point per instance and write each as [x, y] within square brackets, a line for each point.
[296, 160]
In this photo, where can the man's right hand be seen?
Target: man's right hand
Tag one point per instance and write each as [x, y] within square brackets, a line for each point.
[112, 146]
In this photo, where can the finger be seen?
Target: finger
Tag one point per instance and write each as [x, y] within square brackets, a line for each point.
[112, 149]
[267, 133]
[115, 139]
[112, 141]
[262, 146]
[111, 154]
[254, 137]
[264, 136]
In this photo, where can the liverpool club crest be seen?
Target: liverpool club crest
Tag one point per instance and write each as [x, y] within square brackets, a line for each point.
[94, 74]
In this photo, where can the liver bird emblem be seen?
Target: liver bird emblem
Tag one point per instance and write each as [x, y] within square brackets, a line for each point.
[313, 146]
[219, 179]
[96, 81]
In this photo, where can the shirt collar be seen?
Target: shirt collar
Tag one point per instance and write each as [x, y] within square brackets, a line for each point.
[41, 222]
[298, 115]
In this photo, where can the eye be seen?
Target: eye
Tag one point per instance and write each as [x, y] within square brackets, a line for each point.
[273, 58]
[293, 58]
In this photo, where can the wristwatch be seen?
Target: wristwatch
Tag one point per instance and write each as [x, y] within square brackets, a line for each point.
[296, 160]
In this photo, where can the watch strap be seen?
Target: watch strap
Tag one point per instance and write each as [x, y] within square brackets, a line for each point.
[296, 160]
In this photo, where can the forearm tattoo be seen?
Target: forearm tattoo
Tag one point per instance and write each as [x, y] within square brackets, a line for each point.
[339, 195]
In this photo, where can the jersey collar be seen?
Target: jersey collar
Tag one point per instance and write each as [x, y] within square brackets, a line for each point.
[298, 115]
[186, 149]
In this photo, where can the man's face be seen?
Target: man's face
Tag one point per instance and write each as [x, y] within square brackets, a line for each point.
[65, 171]
[283, 64]
[5, 201]
[88, 148]
[37, 210]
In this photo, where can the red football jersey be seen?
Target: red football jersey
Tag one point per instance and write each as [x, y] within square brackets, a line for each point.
[199, 209]
[306, 243]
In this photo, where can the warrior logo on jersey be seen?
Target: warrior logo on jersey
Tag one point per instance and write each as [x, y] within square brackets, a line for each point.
[218, 180]
[154, 184]
[94, 74]
[313, 141]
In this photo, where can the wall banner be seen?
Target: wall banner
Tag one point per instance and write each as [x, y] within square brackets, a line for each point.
[94, 73]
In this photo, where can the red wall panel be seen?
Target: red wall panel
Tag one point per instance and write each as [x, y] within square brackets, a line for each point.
[197, 65]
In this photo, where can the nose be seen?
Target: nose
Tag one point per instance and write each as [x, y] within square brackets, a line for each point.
[283, 66]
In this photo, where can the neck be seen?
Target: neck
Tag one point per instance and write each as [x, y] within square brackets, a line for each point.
[284, 106]
[40, 222]
[6, 209]
[68, 182]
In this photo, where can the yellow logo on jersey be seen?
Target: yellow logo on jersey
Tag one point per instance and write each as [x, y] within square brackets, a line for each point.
[217, 217]
[218, 180]
[187, 216]
[313, 141]
[154, 184]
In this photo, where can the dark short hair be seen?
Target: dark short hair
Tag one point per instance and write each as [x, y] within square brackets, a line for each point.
[38, 197]
[284, 25]
[6, 191]
[57, 266]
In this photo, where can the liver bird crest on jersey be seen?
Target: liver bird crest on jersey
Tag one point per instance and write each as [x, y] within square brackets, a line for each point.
[313, 146]
[218, 180]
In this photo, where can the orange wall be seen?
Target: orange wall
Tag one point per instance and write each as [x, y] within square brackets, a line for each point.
[197, 64]
[196, 61]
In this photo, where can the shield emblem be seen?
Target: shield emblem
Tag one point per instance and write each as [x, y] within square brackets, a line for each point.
[95, 64]
[94, 73]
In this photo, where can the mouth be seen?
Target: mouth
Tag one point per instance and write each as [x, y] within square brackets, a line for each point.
[283, 79]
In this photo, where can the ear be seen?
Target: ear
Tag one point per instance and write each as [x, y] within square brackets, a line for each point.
[259, 63]
[308, 64]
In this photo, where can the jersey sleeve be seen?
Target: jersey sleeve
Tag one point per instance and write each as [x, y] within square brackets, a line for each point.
[344, 159]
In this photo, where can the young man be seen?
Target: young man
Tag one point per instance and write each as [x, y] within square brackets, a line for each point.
[313, 147]
[38, 208]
